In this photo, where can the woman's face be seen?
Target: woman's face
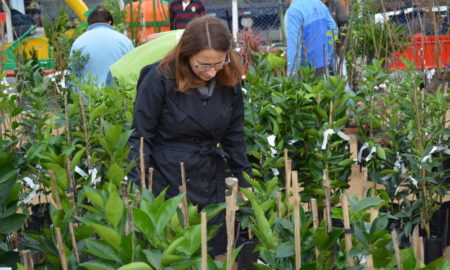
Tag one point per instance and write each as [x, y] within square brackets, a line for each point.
[206, 63]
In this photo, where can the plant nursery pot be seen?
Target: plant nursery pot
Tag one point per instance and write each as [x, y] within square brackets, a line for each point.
[434, 249]
[440, 223]
[247, 256]
[39, 218]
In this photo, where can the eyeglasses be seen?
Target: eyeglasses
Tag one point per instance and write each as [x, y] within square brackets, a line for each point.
[216, 66]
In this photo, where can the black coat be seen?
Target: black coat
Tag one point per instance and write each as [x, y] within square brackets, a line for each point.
[178, 127]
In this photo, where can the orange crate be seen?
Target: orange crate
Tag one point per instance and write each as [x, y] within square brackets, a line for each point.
[425, 52]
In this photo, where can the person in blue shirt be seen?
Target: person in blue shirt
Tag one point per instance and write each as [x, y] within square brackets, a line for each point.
[309, 31]
[98, 48]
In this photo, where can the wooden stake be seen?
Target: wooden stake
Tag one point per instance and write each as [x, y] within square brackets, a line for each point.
[416, 244]
[55, 191]
[421, 250]
[297, 236]
[72, 186]
[142, 160]
[315, 214]
[61, 250]
[27, 259]
[347, 228]
[279, 204]
[369, 262]
[85, 129]
[396, 249]
[373, 214]
[74, 242]
[365, 182]
[204, 241]
[150, 179]
[230, 219]
[183, 189]
[287, 172]
[126, 199]
[326, 186]
[67, 126]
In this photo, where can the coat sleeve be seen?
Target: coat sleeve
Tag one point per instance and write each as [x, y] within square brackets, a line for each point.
[233, 141]
[147, 110]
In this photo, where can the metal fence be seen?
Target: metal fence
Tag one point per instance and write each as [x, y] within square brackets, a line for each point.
[261, 15]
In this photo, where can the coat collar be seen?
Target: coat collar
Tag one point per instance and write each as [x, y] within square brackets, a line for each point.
[191, 104]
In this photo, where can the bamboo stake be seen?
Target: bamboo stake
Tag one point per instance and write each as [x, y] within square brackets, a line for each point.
[326, 186]
[297, 236]
[27, 259]
[142, 160]
[369, 262]
[74, 242]
[150, 179]
[61, 250]
[347, 228]
[183, 189]
[57, 200]
[421, 250]
[416, 245]
[288, 170]
[279, 204]
[86, 133]
[315, 213]
[231, 218]
[55, 191]
[72, 186]
[204, 242]
[126, 199]
[397, 249]
[67, 126]
[365, 182]
[373, 214]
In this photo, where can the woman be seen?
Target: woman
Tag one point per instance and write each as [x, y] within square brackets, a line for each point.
[189, 108]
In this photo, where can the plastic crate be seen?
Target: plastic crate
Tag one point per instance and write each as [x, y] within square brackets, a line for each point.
[425, 52]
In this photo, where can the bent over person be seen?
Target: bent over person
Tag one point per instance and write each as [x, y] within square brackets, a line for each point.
[189, 107]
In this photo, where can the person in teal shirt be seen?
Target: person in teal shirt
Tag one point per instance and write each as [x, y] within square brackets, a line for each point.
[98, 48]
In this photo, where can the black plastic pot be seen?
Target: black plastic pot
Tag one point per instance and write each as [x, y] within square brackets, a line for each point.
[247, 256]
[440, 224]
[433, 249]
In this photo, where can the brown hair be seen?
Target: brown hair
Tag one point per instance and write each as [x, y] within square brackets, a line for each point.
[100, 15]
[202, 33]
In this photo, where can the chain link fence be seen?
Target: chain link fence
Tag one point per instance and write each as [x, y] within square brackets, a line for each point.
[263, 16]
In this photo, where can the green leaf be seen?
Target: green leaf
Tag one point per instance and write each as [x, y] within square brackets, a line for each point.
[98, 265]
[380, 152]
[136, 266]
[114, 208]
[109, 235]
[11, 223]
[97, 112]
[77, 157]
[154, 257]
[94, 196]
[346, 162]
[102, 250]
[380, 223]
[8, 176]
[192, 241]
[115, 174]
[144, 224]
[285, 249]
[367, 203]
[165, 213]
